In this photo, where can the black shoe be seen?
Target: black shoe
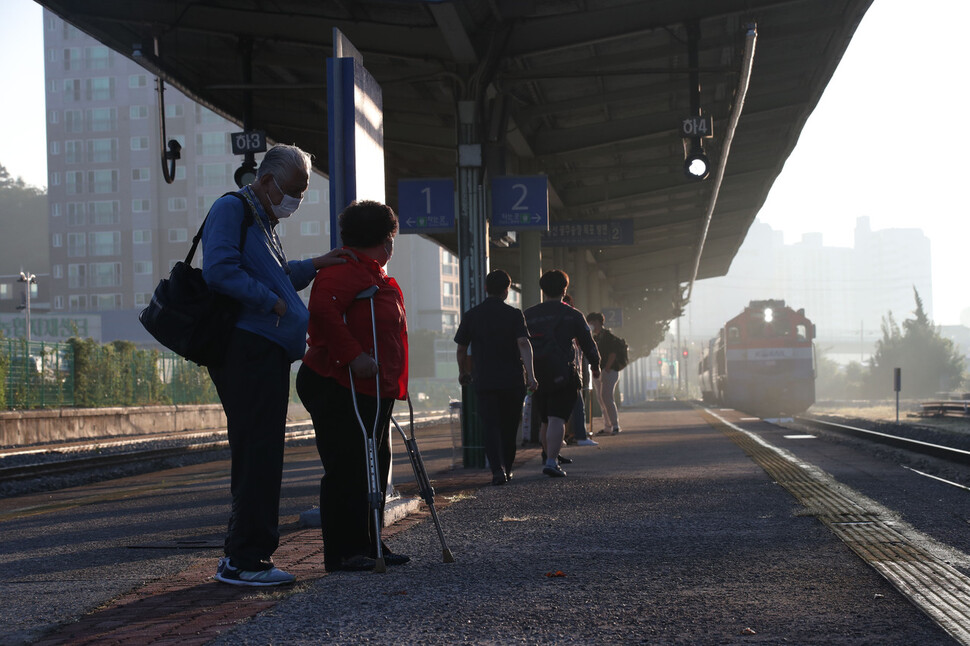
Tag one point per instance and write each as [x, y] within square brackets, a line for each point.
[498, 479]
[508, 476]
[390, 558]
[564, 460]
[356, 563]
[603, 432]
[554, 472]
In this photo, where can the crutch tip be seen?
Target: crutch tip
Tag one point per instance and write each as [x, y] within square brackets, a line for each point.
[380, 567]
[446, 556]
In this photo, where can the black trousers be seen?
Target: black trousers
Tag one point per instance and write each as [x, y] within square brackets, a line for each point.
[345, 514]
[500, 411]
[254, 386]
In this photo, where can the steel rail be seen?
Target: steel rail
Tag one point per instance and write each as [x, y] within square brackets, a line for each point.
[959, 456]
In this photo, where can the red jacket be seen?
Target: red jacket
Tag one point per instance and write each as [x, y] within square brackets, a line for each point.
[333, 344]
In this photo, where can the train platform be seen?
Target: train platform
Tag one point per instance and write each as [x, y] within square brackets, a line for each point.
[689, 527]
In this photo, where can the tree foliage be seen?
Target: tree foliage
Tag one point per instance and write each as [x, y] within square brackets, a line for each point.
[23, 220]
[930, 363]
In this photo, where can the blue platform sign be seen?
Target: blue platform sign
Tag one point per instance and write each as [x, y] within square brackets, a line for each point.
[613, 317]
[520, 203]
[426, 205]
[589, 233]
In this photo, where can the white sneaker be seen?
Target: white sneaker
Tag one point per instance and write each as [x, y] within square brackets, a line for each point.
[587, 442]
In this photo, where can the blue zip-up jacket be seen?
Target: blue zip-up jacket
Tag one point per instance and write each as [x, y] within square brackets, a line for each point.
[255, 278]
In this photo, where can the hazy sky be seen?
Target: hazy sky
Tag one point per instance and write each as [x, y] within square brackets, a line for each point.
[884, 141]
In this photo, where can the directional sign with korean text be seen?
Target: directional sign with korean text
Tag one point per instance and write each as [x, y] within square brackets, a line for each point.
[520, 203]
[426, 205]
[589, 233]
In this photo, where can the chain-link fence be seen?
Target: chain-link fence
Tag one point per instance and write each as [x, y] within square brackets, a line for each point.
[85, 373]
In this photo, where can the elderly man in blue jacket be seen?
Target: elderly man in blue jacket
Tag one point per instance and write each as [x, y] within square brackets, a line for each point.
[254, 379]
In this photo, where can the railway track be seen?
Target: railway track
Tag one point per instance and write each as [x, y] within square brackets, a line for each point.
[951, 454]
[91, 457]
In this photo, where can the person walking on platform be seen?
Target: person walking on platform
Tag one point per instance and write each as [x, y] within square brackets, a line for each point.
[577, 420]
[253, 381]
[611, 349]
[554, 326]
[500, 352]
[341, 340]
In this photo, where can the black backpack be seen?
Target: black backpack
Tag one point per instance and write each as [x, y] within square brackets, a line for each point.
[554, 366]
[617, 346]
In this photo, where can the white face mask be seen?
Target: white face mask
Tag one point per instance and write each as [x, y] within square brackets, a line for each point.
[287, 205]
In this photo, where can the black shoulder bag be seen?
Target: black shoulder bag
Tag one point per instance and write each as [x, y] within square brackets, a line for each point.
[186, 316]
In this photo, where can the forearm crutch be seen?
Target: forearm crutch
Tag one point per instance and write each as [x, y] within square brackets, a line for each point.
[374, 494]
[421, 477]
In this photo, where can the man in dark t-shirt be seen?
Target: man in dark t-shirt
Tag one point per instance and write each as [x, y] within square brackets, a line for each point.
[554, 326]
[500, 351]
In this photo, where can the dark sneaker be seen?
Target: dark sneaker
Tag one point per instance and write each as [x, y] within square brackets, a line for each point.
[390, 558]
[498, 478]
[564, 460]
[357, 563]
[554, 472]
[616, 430]
[258, 578]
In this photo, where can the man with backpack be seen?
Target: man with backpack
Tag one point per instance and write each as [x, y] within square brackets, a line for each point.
[614, 353]
[553, 326]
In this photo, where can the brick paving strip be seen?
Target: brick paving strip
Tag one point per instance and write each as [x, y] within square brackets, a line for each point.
[191, 609]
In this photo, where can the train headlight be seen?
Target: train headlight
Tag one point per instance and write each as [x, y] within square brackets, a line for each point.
[769, 315]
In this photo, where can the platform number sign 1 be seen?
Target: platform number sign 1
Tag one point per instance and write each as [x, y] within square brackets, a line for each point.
[520, 203]
[250, 141]
[426, 205]
[613, 317]
[700, 127]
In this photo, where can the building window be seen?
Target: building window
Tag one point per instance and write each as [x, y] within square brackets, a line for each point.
[141, 206]
[72, 89]
[100, 89]
[74, 180]
[140, 174]
[73, 151]
[104, 302]
[174, 110]
[76, 215]
[143, 266]
[77, 276]
[103, 181]
[449, 294]
[105, 212]
[137, 81]
[56, 240]
[139, 143]
[104, 243]
[138, 112]
[102, 119]
[56, 210]
[6, 291]
[178, 235]
[76, 245]
[449, 263]
[73, 121]
[97, 58]
[178, 204]
[310, 228]
[77, 302]
[55, 179]
[312, 196]
[102, 151]
[57, 271]
[141, 236]
[105, 274]
[54, 116]
[58, 302]
[212, 143]
[72, 58]
[213, 175]
[142, 299]
[55, 147]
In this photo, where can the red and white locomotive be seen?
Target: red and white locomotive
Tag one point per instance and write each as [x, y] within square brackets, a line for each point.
[762, 361]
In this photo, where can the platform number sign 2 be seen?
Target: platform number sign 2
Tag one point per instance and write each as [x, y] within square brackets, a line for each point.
[520, 202]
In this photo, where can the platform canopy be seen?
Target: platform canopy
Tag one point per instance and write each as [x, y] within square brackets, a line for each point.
[591, 93]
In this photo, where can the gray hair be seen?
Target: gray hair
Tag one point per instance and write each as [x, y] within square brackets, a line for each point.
[282, 159]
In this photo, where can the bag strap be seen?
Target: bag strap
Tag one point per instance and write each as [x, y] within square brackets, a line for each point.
[247, 221]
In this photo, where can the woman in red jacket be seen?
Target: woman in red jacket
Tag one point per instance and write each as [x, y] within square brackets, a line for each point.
[341, 344]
